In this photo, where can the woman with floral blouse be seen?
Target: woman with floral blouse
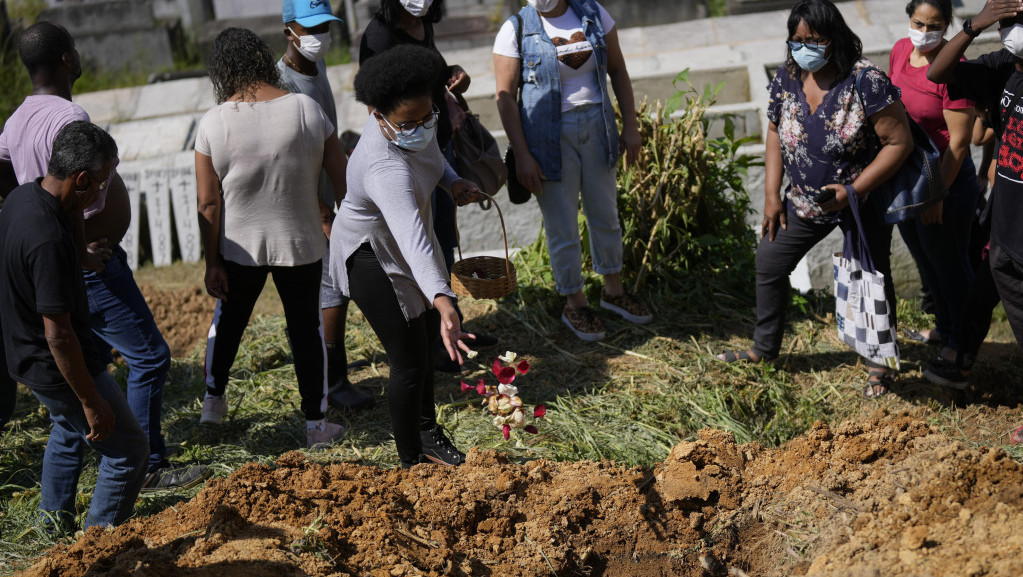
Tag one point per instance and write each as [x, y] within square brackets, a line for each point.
[818, 136]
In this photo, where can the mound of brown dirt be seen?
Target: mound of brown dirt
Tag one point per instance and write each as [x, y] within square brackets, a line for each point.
[884, 496]
[183, 315]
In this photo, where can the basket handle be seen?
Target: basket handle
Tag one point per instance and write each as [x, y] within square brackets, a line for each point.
[504, 232]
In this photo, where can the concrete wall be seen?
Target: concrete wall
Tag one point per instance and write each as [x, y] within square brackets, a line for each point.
[632, 14]
[116, 36]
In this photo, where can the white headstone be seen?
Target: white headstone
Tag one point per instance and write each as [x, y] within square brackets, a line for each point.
[185, 203]
[154, 185]
[130, 242]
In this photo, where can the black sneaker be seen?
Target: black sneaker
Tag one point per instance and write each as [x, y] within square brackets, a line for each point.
[437, 447]
[345, 395]
[947, 375]
[482, 342]
[409, 464]
[168, 478]
[442, 362]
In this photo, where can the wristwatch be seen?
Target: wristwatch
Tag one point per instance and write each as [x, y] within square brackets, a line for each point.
[968, 29]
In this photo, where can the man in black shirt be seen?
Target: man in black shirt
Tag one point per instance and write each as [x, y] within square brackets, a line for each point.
[47, 336]
[995, 80]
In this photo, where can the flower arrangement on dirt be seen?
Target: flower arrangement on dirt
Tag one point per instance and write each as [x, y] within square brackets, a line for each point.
[502, 400]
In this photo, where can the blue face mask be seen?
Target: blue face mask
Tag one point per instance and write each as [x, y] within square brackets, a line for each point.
[420, 138]
[810, 58]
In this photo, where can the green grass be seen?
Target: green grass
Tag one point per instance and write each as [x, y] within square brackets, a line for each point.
[628, 399]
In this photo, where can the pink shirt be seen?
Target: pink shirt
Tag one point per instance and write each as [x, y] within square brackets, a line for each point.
[925, 101]
[27, 138]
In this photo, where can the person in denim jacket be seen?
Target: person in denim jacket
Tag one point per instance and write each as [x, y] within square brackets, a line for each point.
[566, 142]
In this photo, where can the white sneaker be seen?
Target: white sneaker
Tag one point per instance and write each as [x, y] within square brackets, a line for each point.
[213, 410]
[324, 434]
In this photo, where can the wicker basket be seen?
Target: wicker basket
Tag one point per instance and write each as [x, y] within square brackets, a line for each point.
[484, 277]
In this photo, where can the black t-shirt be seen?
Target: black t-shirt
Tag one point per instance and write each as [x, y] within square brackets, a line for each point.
[40, 273]
[378, 37]
[994, 81]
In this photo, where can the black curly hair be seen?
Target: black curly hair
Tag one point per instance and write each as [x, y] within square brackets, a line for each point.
[397, 75]
[390, 12]
[823, 17]
[239, 62]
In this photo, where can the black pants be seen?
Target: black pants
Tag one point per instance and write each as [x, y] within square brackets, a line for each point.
[777, 259]
[1008, 277]
[409, 346]
[976, 320]
[299, 287]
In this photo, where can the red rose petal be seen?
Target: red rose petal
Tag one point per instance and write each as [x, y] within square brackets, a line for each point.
[531, 429]
[496, 367]
[481, 387]
[506, 376]
[506, 431]
[466, 387]
[523, 367]
[539, 411]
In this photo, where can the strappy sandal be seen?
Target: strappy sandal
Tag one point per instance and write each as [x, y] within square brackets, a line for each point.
[883, 379]
[919, 337]
[736, 357]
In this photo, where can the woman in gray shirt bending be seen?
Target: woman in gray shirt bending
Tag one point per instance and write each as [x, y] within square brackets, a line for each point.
[384, 253]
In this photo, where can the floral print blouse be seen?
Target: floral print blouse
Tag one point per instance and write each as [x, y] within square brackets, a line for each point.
[829, 145]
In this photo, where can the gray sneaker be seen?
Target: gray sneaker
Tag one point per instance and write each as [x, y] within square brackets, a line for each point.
[214, 409]
[326, 434]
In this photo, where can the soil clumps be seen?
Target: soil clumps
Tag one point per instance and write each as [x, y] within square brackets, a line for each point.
[885, 495]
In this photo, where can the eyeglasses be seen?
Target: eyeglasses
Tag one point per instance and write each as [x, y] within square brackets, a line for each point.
[793, 45]
[409, 127]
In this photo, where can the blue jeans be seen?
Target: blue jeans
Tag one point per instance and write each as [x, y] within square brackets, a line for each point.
[122, 464]
[122, 319]
[941, 252]
[584, 170]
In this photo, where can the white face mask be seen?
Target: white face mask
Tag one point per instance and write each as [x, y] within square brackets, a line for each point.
[543, 5]
[417, 8]
[1012, 39]
[313, 47]
[925, 41]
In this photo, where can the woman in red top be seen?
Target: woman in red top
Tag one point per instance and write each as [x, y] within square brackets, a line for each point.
[939, 239]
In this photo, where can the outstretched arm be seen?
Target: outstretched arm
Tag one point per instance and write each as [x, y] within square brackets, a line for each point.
[942, 69]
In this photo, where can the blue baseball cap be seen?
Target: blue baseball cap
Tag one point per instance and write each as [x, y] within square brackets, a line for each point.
[308, 13]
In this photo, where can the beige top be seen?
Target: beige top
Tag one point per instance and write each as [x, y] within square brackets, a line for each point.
[268, 156]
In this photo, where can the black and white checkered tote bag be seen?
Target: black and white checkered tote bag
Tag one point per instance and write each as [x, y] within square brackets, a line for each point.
[861, 307]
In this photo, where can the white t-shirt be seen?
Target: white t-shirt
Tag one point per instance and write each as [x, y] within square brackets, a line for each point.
[268, 156]
[576, 65]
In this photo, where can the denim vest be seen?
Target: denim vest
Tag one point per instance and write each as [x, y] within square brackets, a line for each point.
[540, 107]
